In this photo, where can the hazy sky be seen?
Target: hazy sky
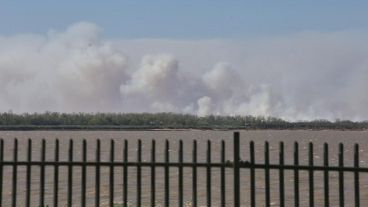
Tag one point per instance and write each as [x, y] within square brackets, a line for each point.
[297, 60]
[185, 19]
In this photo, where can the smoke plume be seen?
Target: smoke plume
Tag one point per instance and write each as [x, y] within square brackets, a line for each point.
[303, 76]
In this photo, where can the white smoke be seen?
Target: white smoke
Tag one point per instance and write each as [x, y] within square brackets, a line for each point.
[300, 76]
[69, 71]
[205, 106]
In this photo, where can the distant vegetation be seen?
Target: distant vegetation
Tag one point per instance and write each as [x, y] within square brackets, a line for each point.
[51, 120]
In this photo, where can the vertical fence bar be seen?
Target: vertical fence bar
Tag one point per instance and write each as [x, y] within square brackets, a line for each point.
[326, 177]
[42, 173]
[341, 175]
[70, 174]
[167, 178]
[356, 176]
[252, 175]
[236, 169]
[56, 174]
[296, 174]
[29, 172]
[139, 174]
[194, 173]
[153, 174]
[267, 174]
[98, 178]
[1, 170]
[180, 174]
[15, 169]
[223, 180]
[111, 176]
[125, 176]
[208, 177]
[84, 173]
[281, 175]
[311, 176]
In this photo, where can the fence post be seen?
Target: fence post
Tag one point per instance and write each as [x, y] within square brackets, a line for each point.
[236, 170]
[15, 173]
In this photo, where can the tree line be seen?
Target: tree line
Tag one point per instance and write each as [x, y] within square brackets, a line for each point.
[53, 120]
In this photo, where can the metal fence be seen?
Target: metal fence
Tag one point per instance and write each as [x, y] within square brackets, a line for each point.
[236, 166]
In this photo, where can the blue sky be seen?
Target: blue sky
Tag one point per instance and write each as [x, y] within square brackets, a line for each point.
[185, 19]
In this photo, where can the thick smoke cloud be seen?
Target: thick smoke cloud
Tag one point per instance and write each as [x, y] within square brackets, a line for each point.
[69, 71]
[296, 77]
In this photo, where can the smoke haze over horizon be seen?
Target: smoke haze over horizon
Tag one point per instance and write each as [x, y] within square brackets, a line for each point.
[303, 76]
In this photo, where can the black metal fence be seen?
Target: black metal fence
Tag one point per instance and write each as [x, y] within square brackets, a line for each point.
[236, 166]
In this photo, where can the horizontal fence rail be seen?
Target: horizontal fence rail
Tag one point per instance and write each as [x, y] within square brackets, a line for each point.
[236, 165]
